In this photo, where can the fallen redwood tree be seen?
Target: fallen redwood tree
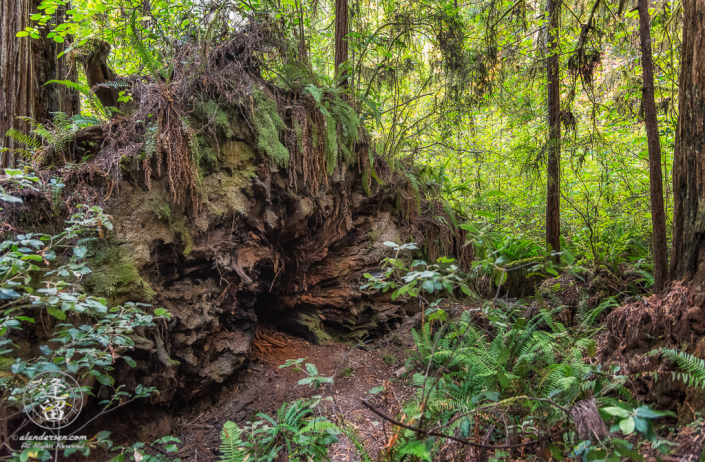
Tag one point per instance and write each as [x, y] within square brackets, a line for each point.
[237, 203]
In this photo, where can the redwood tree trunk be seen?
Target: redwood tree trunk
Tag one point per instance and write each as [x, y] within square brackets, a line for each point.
[25, 65]
[553, 223]
[341, 40]
[658, 215]
[688, 252]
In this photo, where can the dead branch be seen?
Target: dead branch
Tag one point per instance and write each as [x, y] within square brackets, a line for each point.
[454, 438]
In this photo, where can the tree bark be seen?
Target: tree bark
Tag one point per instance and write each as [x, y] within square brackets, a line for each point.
[658, 215]
[25, 66]
[688, 251]
[341, 40]
[553, 223]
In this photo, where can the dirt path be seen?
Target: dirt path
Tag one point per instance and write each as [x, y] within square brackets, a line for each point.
[265, 387]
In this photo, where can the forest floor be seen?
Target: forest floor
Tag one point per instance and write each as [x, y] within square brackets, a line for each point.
[264, 387]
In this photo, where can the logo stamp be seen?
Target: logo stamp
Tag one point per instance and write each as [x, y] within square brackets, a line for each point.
[53, 400]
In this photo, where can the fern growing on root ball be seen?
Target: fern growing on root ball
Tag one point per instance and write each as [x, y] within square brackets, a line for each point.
[692, 372]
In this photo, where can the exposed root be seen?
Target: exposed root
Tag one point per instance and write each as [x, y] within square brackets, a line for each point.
[266, 339]
[588, 422]
[659, 320]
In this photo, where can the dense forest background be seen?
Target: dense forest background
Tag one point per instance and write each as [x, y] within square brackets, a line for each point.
[503, 195]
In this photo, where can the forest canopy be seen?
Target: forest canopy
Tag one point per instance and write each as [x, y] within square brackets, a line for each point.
[457, 88]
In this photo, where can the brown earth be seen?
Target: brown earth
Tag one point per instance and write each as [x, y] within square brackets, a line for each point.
[263, 387]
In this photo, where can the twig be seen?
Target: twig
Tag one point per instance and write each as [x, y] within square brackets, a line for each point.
[454, 438]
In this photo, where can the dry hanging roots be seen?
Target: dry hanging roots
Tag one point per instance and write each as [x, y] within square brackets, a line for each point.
[173, 141]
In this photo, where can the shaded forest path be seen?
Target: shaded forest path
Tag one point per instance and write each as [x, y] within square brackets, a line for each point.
[264, 387]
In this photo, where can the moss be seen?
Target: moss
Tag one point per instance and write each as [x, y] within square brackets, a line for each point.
[372, 238]
[163, 212]
[103, 252]
[347, 372]
[366, 180]
[119, 279]
[313, 328]
[353, 334]
[268, 125]
[297, 77]
[225, 190]
[205, 155]
[373, 235]
[176, 222]
[299, 136]
[5, 365]
[389, 359]
[210, 113]
[181, 230]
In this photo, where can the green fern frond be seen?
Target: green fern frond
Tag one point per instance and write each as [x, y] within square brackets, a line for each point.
[693, 374]
[152, 63]
[116, 84]
[85, 90]
[82, 121]
[416, 448]
[82, 89]
[23, 139]
[232, 447]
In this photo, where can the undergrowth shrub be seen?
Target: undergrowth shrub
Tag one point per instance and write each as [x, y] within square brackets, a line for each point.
[41, 279]
[295, 432]
[501, 367]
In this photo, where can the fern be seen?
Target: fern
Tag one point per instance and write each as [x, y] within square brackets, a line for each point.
[116, 84]
[294, 430]
[693, 374]
[153, 64]
[415, 448]
[589, 318]
[93, 101]
[23, 139]
[342, 126]
[82, 89]
[232, 447]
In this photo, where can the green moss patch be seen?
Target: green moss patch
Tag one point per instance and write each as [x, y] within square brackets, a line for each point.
[268, 125]
[225, 190]
[118, 278]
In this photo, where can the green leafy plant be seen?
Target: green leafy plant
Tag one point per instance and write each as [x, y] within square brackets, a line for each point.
[41, 274]
[294, 432]
[314, 378]
[417, 279]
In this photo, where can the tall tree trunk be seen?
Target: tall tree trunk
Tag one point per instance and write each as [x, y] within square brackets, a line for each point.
[25, 65]
[553, 205]
[688, 251]
[341, 40]
[658, 215]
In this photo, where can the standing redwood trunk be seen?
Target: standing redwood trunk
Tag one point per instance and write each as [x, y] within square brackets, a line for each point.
[553, 205]
[16, 95]
[25, 65]
[658, 215]
[688, 252]
[341, 40]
